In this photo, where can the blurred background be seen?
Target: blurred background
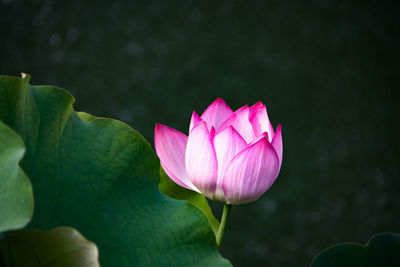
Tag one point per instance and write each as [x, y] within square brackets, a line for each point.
[327, 70]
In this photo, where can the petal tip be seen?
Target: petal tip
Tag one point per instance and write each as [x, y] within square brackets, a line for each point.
[258, 105]
[158, 126]
[219, 99]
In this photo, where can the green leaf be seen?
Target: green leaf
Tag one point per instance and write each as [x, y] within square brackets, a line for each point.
[16, 198]
[381, 250]
[100, 177]
[62, 246]
[171, 189]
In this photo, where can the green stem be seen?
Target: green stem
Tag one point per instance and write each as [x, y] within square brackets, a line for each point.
[224, 221]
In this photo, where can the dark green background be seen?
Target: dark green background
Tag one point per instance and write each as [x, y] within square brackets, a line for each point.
[327, 70]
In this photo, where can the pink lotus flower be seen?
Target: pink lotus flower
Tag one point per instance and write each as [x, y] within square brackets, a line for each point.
[228, 156]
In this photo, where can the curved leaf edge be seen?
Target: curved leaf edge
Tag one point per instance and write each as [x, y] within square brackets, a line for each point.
[23, 176]
[84, 116]
[356, 245]
[57, 246]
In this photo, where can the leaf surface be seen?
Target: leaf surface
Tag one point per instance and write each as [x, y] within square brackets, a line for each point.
[171, 189]
[101, 177]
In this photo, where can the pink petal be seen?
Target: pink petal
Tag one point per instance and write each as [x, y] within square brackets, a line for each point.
[250, 173]
[227, 144]
[277, 144]
[240, 121]
[217, 113]
[261, 124]
[170, 146]
[255, 107]
[194, 120]
[201, 161]
[264, 135]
